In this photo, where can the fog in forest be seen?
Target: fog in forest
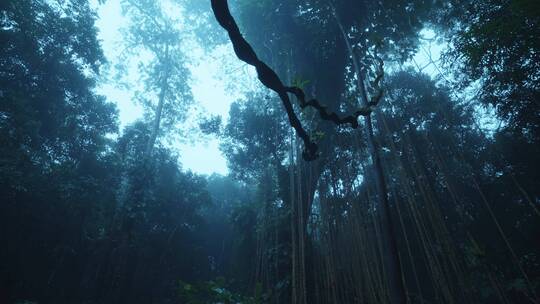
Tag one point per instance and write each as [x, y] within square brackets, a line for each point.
[269, 151]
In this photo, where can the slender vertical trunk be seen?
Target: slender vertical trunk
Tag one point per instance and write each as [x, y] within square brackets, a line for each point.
[303, 186]
[301, 205]
[159, 110]
[157, 121]
[294, 230]
[298, 233]
[391, 261]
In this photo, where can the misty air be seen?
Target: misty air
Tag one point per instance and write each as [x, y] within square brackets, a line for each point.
[269, 152]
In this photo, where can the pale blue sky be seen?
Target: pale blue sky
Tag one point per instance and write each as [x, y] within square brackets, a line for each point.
[208, 88]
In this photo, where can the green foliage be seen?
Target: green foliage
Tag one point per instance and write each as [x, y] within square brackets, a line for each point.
[300, 83]
[211, 125]
[81, 208]
[214, 292]
[254, 139]
[154, 42]
[49, 64]
[495, 43]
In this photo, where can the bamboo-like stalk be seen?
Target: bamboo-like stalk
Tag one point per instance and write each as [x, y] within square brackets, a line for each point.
[390, 255]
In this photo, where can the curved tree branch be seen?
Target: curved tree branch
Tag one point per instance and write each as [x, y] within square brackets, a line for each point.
[270, 79]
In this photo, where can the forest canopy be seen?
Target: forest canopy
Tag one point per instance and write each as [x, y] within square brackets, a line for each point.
[376, 152]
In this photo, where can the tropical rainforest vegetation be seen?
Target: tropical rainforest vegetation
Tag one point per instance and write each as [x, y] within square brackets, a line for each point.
[363, 167]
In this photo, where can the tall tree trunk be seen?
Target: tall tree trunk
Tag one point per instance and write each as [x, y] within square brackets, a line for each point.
[159, 110]
[390, 258]
[298, 279]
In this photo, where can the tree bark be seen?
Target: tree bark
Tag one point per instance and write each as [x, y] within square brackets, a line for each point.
[159, 110]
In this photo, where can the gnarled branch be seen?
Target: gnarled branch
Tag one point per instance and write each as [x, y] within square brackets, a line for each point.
[270, 79]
